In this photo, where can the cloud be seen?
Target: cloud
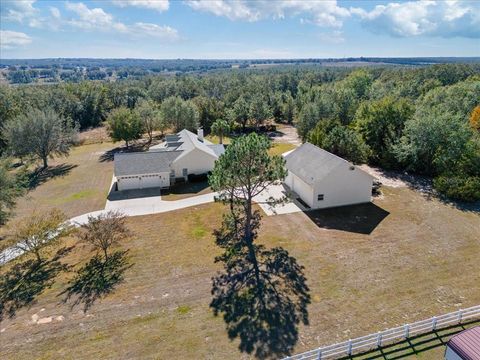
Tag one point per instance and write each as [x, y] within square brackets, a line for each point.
[97, 19]
[430, 18]
[18, 10]
[321, 12]
[55, 12]
[334, 37]
[158, 5]
[11, 39]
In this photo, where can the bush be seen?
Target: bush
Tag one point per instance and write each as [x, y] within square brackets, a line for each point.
[464, 188]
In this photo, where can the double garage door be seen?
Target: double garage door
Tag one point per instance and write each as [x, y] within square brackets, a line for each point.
[143, 181]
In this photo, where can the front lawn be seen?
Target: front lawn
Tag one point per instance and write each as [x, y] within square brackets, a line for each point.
[417, 260]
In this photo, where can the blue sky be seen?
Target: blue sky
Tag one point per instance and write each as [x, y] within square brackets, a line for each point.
[226, 29]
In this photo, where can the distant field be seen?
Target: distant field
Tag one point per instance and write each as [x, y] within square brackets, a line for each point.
[369, 268]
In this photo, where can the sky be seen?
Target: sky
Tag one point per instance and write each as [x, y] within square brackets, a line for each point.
[238, 29]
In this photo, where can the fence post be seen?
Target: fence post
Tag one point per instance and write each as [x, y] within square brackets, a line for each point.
[349, 347]
[379, 339]
[319, 357]
[434, 323]
[407, 331]
[460, 315]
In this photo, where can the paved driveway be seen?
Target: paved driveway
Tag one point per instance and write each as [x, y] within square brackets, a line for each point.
[278, 192]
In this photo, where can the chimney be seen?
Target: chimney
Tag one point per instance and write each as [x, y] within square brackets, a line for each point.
[200, 134]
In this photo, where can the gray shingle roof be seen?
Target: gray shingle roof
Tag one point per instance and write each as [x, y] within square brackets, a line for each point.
[127, 164]
[311, 163]
[218, 149]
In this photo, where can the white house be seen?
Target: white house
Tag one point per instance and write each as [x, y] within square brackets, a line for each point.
[324, 180]
[180, 155]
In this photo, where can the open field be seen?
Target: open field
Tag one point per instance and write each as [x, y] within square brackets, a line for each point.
[76, 185]
[369, 267]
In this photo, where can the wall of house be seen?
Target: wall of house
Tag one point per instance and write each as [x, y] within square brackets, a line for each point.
[343, 186]
[196, 161]
[451, 355]
[304, 190]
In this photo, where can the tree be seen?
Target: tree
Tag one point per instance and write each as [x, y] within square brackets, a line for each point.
[381, 123]
[125, 124]
[104, 231]
[39, 231]
[339, 140]
[180, 114]
[259, 111]
[240, 112]
[42, 134]
[10, 189]
[307, 119]
[150, 118]
[262, 293]
[220, 127]
[475, 118]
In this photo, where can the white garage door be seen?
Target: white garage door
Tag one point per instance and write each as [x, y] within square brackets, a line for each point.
[143, 182]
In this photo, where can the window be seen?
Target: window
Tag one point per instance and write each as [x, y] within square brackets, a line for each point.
[320, 197]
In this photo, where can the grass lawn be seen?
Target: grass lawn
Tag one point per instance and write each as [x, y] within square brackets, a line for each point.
[419, 259]
[185, 190]
[279, 148]
[215, 139]
[76, 185]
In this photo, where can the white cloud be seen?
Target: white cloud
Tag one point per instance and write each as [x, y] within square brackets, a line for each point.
[334, 37]
[321, 12]
[433, 18]
[55, 12]
[11, 39]
[158, 5]
[98, 19]
[18, 10]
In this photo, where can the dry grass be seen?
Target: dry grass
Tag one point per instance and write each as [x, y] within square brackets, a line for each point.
[216, 140]
[279, 148]
[80, 185]
[419, 261]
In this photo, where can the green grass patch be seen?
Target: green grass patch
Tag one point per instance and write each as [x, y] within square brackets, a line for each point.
[184, 309]
[280, 148]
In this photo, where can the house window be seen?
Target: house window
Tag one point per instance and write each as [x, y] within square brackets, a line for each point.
[319, 197]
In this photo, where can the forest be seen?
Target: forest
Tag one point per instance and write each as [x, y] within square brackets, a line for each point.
[424, 120]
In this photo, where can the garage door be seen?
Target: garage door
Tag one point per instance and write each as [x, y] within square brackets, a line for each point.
[128, 183]
[143, 182]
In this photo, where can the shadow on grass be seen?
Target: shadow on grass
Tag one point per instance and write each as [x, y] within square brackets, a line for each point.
[415, 345]
[361, 219]
[20, 286]
[40, 176]
[96, 279]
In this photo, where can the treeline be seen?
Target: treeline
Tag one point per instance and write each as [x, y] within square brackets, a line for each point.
[423, 120]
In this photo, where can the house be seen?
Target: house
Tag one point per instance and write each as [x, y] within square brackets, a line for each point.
[464, 346]
[182, 154]
[324, 180]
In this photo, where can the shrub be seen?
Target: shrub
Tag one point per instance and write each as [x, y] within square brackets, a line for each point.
[458, 187]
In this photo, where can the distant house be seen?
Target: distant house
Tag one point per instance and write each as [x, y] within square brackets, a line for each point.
[181, 154]
[464, 346]
[324, 180]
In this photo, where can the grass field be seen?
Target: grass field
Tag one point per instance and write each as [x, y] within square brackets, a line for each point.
[280, 148]
[76, 185]
[368, 268]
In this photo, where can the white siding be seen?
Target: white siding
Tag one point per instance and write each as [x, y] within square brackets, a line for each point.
[196, 161]
[343, 186]
[297, 185]
[143, 181]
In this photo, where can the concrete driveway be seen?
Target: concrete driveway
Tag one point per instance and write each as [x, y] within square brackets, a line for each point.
[277, 192]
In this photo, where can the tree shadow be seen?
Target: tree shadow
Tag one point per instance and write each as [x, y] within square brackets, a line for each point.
[109, 155]
[96, 279]
[24, 282]
[262, 308]
[361, 219]
[40, 176]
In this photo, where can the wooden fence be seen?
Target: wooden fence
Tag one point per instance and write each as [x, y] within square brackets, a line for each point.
[372, 341]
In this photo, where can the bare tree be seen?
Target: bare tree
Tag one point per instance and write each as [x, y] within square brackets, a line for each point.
[104, 231]
[41, 230]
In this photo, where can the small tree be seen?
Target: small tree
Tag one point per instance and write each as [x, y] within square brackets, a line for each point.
[10, 189]
[125, 124]
[40, 133]
[41, 230]
[104, 231]
[220, 127]
[150, 118]
[475, 118]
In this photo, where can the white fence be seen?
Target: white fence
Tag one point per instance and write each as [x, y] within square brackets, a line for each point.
[372, 341]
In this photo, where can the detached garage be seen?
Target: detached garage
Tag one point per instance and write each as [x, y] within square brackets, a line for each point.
[324, 180]
[143, 170]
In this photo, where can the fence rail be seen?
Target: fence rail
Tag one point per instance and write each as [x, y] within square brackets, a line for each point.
[372, 341]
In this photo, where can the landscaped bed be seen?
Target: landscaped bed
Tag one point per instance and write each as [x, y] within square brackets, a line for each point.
[417, 258]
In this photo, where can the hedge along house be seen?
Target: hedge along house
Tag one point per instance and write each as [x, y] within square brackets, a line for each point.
[324, 180]
[182, 154]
